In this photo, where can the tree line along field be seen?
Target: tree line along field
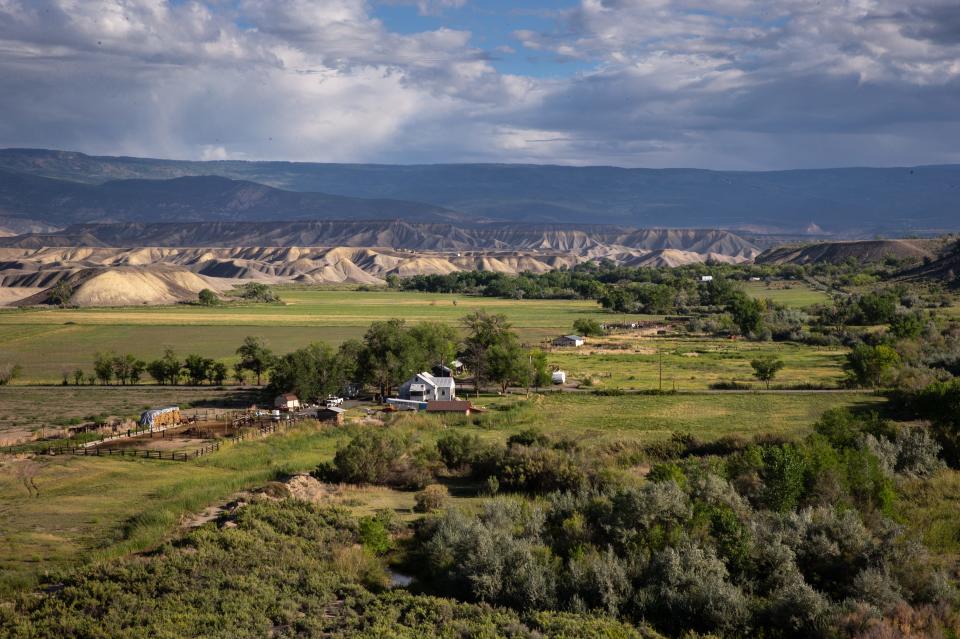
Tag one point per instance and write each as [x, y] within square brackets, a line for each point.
[50, 342]
[92, 508]
[47, 343]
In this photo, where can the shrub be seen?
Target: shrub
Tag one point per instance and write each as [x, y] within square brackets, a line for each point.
[368, 458]
[256, 292]
[374, 535]
[529, 437]
[597, 581]
[458, 449]
[588, 327]
[667, 472]
[918, 453]
[783, 474]
[206, 297]
[431, 498]
[688, 590]
[541, 470]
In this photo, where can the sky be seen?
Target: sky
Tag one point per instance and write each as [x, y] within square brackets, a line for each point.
[719, 84]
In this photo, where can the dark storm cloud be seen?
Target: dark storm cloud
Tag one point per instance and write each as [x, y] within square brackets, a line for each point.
[720, 83]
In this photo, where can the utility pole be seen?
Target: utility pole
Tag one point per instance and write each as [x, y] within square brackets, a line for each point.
[660, 355]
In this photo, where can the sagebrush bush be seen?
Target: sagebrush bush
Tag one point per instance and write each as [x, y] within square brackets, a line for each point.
[431, 498]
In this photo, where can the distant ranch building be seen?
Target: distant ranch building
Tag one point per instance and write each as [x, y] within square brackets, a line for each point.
[424, 387]
[455, 406]
[567, 341]
[331, 414]
[287, 401]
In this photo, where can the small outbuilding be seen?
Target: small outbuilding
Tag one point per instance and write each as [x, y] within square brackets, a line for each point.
[331, 414]
[448, 370]
[450, 406]
[287, 401]
[568, 341]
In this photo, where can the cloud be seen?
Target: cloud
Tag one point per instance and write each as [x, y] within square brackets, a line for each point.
[717, 83]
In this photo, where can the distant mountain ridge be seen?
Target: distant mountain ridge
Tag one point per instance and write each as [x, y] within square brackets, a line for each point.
[846, 201]
[191, 198]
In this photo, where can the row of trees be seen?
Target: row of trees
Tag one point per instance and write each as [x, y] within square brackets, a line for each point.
[391, 352]
[195, 369]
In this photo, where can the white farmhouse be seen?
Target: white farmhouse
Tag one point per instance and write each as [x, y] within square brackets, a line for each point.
[424, 387]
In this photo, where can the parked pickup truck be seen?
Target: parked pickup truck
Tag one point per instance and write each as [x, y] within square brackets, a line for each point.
[333, 402]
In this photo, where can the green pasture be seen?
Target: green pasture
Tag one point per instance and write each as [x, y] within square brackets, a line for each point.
[323, 307]
[94, 507]
[593, 419]
[788, 293]
[694, 363]
[49, 342]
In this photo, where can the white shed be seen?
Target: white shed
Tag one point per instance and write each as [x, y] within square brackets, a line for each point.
[287, 401]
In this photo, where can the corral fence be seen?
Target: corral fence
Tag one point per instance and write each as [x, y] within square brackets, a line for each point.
[144, 453]
[256, 429]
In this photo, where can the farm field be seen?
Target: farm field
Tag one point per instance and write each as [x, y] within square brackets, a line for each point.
[95, 507]
[596, 420]
[788, 293]
[693, 363]
[49, 342]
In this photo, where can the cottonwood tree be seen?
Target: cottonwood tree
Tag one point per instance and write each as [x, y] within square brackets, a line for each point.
[871, 365]
[103, 367]
[390, 355]
[128, 368]
[484, 330]
[165, 370]
[61, 293]
[539, 374]
[437, 340]
[766, 367]
[508, 363]
[197, 367]
[158, 371]
[206, 297]
[255, 357]
[217, 373]
[588, 327]
[310, 372]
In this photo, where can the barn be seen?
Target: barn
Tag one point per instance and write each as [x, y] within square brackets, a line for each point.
[331, 414]
[287, 401]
